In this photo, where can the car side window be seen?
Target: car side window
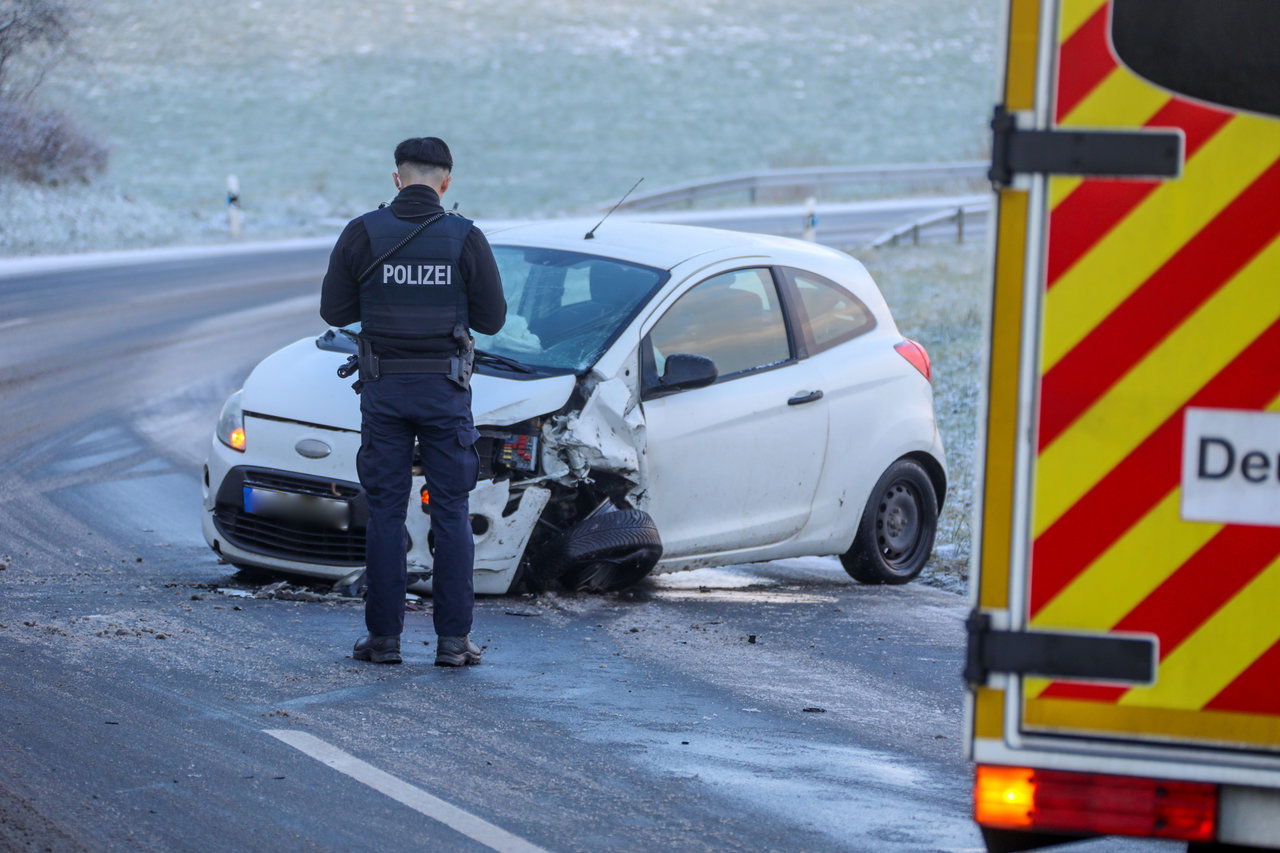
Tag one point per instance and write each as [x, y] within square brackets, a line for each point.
[832, 315]
[734, 319]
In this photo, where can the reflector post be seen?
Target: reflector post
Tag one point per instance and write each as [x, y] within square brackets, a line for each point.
[1093, 803]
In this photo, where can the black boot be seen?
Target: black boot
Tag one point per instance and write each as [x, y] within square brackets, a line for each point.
[456, 651]
[378, 649]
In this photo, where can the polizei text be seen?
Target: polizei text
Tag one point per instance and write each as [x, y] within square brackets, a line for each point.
[417, 274]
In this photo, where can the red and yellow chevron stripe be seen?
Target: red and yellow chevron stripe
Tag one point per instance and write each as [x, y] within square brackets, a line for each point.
[1158, 296]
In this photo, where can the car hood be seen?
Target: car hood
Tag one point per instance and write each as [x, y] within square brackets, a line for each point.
[299, 383]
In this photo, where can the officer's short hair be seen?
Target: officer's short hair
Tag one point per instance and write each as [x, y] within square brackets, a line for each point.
[424, 153]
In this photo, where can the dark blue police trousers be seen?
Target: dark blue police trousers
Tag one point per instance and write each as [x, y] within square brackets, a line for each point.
[395, 410]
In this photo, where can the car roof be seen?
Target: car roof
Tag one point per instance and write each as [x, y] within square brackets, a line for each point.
[651, 243]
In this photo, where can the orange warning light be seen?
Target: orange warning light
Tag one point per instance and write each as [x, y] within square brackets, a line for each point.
[237, 439]
[1004, 796]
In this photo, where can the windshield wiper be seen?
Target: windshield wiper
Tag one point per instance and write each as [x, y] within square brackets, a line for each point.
[494, 358]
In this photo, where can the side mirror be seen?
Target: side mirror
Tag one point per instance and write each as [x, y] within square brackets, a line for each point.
[684, 371]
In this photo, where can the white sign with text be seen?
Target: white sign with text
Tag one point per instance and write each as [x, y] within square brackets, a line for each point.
[1231, 466]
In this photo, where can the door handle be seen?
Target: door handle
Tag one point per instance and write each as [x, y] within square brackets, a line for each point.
[804, 397]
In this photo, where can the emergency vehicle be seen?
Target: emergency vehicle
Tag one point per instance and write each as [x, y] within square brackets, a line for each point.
[1124, 644]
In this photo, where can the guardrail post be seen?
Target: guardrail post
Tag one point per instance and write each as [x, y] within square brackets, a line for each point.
[915, 234]
[959, 224]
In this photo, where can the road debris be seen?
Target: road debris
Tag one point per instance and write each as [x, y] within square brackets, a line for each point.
[814, 709]
[285, 591]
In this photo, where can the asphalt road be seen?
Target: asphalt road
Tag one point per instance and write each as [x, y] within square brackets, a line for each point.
[140, 700]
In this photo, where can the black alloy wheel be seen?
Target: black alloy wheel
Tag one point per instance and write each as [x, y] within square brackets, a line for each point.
[895, 537]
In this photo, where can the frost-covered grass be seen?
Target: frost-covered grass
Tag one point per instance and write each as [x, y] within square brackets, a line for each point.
[938, 294]
[549, 105]
[39, 220]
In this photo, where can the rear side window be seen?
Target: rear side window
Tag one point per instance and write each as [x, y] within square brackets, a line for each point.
[734, 319]
[831, 314]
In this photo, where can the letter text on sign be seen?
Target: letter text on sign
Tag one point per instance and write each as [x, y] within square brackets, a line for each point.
[429, 274]
[1231, 466]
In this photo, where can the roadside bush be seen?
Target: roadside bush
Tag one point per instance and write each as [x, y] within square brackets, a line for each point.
[47, 146]
[37, 143]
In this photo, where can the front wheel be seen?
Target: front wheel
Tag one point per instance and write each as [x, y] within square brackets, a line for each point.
[895, 537]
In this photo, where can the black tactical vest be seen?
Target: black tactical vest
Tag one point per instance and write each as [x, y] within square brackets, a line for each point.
[414, 298]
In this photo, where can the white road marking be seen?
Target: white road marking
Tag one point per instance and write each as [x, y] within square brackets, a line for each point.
[20, 321]
[493, 837]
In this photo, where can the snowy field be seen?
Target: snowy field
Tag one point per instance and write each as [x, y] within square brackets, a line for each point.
[549, 105]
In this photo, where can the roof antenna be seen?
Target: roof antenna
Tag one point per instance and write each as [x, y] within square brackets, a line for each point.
[591, 235]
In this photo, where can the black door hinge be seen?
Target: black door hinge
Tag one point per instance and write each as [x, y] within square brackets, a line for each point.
[1050, 655]
[1115, 154]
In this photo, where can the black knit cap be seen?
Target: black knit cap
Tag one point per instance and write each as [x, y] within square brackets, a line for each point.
[428, 150]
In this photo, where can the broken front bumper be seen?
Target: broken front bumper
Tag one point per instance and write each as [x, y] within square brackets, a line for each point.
[502, 522]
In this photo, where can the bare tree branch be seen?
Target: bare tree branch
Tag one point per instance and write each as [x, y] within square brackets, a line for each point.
[34, 36]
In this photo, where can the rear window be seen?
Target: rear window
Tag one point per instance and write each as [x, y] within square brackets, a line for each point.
[1221, 51]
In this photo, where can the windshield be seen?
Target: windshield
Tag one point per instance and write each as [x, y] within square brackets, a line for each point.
[565, 308]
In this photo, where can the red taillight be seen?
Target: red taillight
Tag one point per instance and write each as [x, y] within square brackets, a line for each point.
[914, 353]
[1063, 801]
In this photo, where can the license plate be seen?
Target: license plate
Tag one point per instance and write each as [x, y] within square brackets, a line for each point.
[308, 510]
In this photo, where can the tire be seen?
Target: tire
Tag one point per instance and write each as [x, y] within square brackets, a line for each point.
[609, 551]
[895, 536]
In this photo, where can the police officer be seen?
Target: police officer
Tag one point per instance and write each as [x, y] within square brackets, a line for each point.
[416, 277]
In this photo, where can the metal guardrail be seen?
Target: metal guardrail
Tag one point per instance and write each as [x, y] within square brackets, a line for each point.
[841, 225]
[812, 178]
[922, 226]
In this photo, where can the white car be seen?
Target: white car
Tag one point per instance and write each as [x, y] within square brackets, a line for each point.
[662, 397]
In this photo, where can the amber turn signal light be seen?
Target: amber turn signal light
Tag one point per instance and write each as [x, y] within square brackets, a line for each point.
[1094, 803]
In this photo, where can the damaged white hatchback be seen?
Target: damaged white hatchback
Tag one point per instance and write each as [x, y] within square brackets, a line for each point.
[662, 397]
